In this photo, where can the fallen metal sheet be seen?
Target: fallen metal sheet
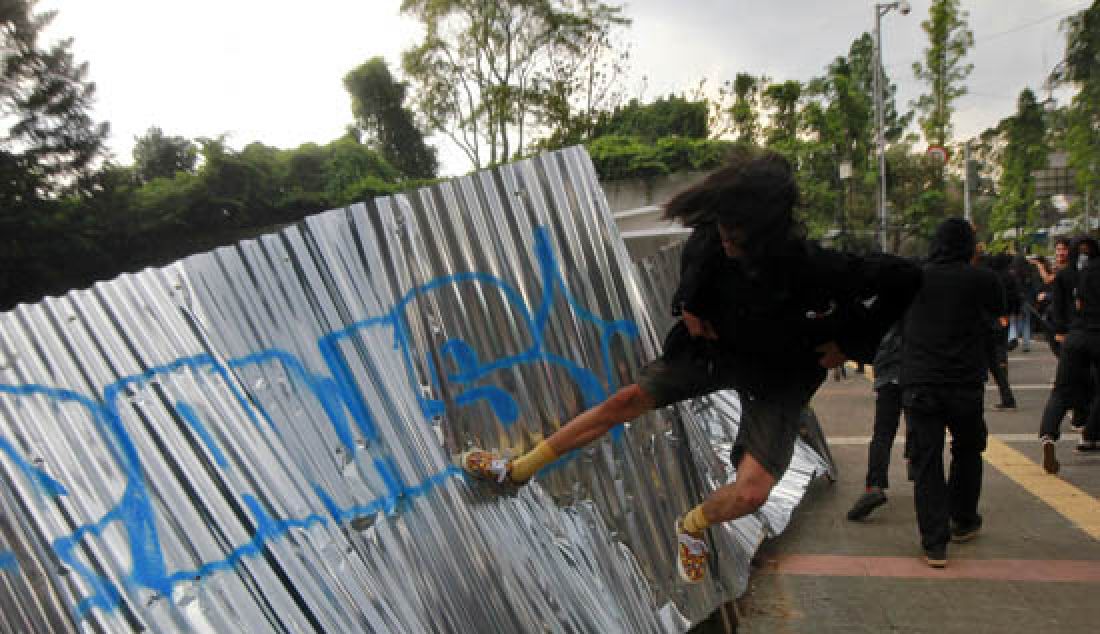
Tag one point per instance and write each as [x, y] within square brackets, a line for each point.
[259, 438]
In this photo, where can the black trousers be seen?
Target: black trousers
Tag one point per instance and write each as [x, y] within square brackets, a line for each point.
[887, 418]
[929, 411]
[998, 366]
[1073, 385]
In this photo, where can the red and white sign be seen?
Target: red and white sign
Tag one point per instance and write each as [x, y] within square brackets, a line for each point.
[937, 152]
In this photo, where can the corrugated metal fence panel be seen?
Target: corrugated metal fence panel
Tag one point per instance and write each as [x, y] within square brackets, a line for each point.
[259, 438]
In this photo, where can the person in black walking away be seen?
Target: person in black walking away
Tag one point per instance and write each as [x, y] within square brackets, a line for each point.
[763, 311]
[887, 366]
[943, 373]
[1074, 387]
[999, 344]
[1086, 357]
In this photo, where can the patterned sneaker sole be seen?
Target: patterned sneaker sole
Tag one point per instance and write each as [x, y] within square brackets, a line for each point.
[477, 467]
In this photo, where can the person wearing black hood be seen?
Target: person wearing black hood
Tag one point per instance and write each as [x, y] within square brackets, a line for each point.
[943, 373]
[1073, 385]
[1086, 355]
[763, 311]
[999, 343]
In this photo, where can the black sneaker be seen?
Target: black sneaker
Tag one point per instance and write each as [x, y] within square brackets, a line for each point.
[1005, 407]
[1088, 446]
[963, 533]
[936, 556]
[1050, 458]
[866, 503]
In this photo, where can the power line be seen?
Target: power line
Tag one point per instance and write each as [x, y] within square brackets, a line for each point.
[1028, 25]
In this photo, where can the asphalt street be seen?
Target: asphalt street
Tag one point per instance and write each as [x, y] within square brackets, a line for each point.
[1035, 567]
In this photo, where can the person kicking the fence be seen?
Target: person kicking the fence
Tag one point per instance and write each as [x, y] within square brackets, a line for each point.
[762, 311]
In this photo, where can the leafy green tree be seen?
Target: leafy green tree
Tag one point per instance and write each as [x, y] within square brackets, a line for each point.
[48, 145]
[483, 74]
[665, 117]
[943, 69]
[839, 118]
[783, 99]
[160, 156]
[1082, 124]
[378, 103]
[744, 113]
[1024, 152]
[860, 72]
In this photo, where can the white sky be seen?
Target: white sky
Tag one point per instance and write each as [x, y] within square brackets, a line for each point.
[272, 71]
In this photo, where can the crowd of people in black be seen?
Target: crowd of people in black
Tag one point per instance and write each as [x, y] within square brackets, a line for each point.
[767, 312]
[1057, 300]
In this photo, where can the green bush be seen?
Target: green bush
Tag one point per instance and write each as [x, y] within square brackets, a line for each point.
[625, 157]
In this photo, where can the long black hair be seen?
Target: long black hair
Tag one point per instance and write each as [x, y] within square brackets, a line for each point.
[754, 193]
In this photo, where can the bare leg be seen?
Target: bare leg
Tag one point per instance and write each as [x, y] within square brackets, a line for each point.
[748, 493]
[625, 405]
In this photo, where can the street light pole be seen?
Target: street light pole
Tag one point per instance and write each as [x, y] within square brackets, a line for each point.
[882, 9]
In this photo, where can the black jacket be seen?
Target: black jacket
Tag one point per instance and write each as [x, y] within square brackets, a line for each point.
[1063, 312]
[771, 317]
[948, 326]
[1088, 292]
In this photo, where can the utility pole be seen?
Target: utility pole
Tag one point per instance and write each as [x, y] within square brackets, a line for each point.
[966, 180]
[882, 9]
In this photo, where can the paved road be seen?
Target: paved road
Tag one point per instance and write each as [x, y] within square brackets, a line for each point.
[1034, 568]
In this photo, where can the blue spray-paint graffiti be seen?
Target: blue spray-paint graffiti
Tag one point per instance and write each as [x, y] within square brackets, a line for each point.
[339, 395]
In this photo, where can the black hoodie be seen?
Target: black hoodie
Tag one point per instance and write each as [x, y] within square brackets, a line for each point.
[771, 316]
[947, 326]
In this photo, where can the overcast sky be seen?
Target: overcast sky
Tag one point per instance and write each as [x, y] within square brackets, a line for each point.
[272, 71]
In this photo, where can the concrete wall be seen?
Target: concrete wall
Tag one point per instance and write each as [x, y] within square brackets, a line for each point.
[635, 205]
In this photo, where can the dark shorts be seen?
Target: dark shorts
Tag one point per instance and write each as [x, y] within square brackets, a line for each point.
[769, 418]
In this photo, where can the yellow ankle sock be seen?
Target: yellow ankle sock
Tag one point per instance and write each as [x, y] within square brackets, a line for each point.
[695, 522]
[526, 465]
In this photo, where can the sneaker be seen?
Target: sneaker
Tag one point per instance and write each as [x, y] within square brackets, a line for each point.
[691, 561]
[486, 465]
[866, 503]
[1087, 446]
[961, 533]
[1050, 459]
[936, 556]
[1005, 407]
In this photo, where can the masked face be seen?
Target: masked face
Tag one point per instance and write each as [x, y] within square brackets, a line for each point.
[1082, 260]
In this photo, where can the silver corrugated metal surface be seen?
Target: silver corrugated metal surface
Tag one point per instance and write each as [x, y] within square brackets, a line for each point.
[259, 438]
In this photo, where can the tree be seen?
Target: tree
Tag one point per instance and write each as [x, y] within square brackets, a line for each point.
[48, 144]
[783, 100]
[1024, 152]
[665, 117]
[160, 156]
[1082, 66]
[744, 113]
[484, 71]
[943, 69]
[378, 103]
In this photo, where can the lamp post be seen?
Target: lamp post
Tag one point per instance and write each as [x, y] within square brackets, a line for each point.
[882, 9]
[844, 170]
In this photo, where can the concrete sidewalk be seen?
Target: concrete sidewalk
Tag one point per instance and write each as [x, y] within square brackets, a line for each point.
[1034, 568]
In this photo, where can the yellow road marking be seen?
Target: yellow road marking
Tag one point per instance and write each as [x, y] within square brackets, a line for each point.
[1072, 503]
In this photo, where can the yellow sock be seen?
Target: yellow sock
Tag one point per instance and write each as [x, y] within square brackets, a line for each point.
[695, 522]
[526, 465]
